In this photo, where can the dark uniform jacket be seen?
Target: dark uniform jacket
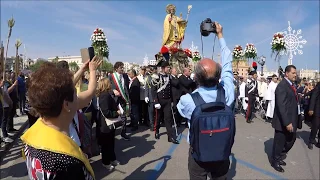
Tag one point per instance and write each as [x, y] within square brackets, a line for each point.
[165, 93]
[251, 88]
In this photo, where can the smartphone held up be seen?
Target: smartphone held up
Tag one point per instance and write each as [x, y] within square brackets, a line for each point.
[87, 53]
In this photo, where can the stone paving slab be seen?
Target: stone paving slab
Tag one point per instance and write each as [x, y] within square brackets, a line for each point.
[146, 158]
[19, 123]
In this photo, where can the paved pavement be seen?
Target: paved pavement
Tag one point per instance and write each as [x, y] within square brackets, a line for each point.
[19, 124]
[145, 158]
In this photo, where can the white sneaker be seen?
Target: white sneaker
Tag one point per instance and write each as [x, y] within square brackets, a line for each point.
[7, 140]
[109, 167]
[115, 163]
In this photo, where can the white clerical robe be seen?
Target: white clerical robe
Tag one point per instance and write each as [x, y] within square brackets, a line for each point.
[270, 96]
[262, 89]
[242, 94]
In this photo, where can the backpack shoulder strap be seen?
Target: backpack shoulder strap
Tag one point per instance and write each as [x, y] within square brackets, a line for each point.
[197, 99]
[221, 94]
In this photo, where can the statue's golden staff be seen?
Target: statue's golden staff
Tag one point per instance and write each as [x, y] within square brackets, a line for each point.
[189, 9]
[186, 20]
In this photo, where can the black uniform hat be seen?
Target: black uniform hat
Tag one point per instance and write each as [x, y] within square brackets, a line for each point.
[163, 64]
[252, 73]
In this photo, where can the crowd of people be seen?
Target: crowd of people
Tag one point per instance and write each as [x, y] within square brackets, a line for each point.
[286, 110]
[12, 96]
[63, 106]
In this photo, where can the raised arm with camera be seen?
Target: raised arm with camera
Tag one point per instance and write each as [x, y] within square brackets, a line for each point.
[226, 72]
[85, 97]
[207, 27]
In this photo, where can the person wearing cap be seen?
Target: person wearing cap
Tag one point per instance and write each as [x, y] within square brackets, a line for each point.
[251, 93]
[164, 103]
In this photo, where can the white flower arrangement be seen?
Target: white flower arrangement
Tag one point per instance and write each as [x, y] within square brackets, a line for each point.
[250, 51]
[237, 52]
[196, 56]
[99, 43]
[278, 43]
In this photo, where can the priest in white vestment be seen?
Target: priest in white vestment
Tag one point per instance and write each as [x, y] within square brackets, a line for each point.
[270, 96]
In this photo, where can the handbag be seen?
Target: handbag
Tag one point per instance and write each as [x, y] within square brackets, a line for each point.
[112, 123]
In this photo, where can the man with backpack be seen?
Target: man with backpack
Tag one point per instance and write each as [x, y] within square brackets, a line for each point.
[210, 116]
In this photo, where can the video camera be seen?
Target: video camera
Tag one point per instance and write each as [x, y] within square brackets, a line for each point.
[207, 27]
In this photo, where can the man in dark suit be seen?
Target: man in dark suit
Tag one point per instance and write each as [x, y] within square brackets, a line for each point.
[314, 112]
[285, 120]
[176, 94]
[120, 86]
[134, 95]
[186, 82]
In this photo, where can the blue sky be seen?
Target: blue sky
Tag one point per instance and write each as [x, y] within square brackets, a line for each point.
[134, 28]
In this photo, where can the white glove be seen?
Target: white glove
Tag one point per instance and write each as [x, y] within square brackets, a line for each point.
[157, 106]
[146, 100]
[171, 104]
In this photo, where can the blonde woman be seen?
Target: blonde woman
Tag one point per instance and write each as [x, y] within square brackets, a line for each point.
[109, 117]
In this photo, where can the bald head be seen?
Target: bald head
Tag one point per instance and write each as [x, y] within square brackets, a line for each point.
[207, 72]
[209, 66]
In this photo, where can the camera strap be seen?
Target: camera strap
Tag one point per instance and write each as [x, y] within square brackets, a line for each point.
[214, 42]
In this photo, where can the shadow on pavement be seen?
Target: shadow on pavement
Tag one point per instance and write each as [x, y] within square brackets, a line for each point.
[150, 173]
[126, 150]
[268, 149]
[232, 171]
[141, 128]
[13, 154]
[20, 170]
[304, 135]
[136, 147]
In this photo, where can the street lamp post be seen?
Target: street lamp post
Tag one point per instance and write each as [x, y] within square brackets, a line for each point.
[262, 61]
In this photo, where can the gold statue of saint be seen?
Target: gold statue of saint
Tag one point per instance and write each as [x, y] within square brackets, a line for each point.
[173, 28]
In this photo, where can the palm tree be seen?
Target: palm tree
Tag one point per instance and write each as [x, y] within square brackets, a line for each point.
[11, 23]
[17, 62]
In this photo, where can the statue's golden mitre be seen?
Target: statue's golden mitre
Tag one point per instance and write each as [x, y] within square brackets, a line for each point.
[168, 6]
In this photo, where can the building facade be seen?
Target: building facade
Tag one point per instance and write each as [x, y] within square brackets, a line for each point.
[127, 66]
[241, 68]
[308, 73]
[69, 59]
